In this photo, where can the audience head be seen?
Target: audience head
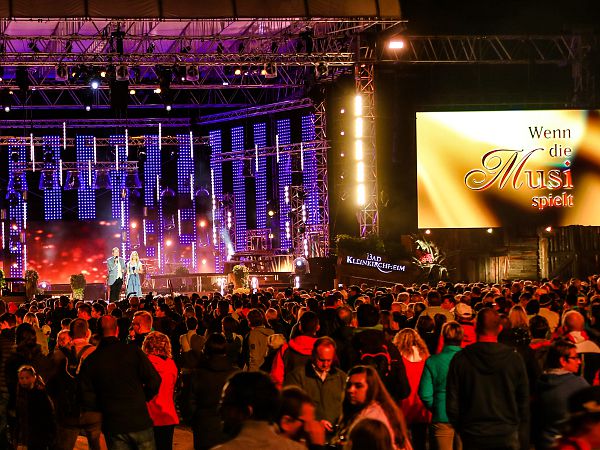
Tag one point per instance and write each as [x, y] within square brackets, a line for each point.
[296, 410]
[142, 322]
[452, 333]
[249, 396]
[369, 434]
[157, 344]
[562, 354]
[573, 321]
[323, 353]
[487, 323]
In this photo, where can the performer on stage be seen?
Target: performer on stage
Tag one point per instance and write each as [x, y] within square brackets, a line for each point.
[116, 271]
[134, 268]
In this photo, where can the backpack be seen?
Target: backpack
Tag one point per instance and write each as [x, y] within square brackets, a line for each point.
[380, 360]
[274, 343]
[71, 406]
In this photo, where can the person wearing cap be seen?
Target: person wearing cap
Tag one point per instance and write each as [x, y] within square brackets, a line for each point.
[583, 425]
[552, 317]
[464, 316]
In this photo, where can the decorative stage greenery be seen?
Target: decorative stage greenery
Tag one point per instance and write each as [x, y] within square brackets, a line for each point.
[241, 274]
[78, 283]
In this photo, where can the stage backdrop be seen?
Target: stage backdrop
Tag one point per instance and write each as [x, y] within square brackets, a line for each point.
[497, 168]
[59, 249]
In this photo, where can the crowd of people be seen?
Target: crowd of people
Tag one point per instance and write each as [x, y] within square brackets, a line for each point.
[474, 366]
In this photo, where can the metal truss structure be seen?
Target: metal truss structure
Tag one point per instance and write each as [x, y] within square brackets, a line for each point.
[100, 142]
[322, 177]
[39, 166]
[208, 62]
[500, 49]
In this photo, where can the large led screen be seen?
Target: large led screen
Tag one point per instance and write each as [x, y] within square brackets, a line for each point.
[497, 168]
[59, 249]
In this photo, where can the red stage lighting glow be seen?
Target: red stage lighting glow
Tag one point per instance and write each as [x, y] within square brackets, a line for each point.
[67, 248]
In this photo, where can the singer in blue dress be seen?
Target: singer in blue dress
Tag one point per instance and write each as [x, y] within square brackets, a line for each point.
[134, 268]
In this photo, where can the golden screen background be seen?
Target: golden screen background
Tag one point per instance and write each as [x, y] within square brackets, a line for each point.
[450, 145]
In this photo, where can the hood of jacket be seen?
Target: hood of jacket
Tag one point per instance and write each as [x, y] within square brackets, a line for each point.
[303, 344]
[488, 357]
[263, 330]
[550, 381]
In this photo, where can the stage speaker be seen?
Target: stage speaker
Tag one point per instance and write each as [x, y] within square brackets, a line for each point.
[322, 272]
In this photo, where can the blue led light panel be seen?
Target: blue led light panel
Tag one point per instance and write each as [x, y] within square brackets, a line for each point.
[185, 164]
[309, 175]
[86, 197]
[151, 169]
[215, 140]
[260, 140]
[53, 197]
[16, 213]
[285, 182]
[118, 176]
[239, 190]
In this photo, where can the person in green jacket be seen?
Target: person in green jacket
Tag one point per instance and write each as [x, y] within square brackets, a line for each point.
[432, 389]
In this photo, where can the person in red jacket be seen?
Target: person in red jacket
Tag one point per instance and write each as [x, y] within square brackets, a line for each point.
[298, 351]
[162, 407]
[414, 353]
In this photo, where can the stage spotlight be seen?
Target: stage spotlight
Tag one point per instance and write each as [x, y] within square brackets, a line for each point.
[157, 90]
[237, 71]
[1, 74]
[168, 242]
[134, 225]
[427, 232]
[548, 229]
[396, 44]
[271, 213]
[167, 193]
[122, 73]
[73, 181]
[270, 70]
[192, 73]
[33, 46]
[307, 39]
[131, 91]
[102, 180]
[94, 83]
[490, 230]
[132, 180]
[88, 108]
[321, 70]
[168, 107]
[202, 223]
[301, 266]
[103, 74]
[202, 194]
[62, 73]
[47, 180]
